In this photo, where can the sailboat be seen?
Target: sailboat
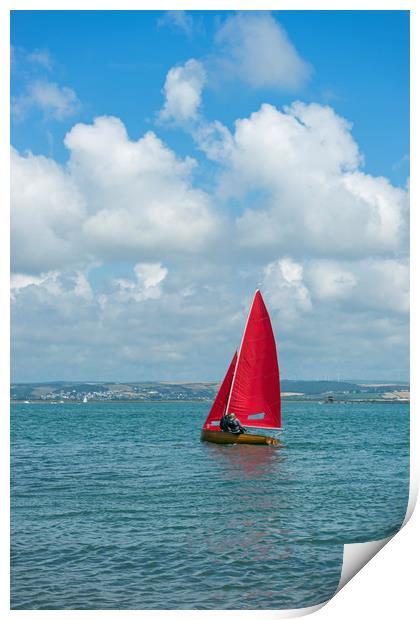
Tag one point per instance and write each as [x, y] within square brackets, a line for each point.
[251, 387]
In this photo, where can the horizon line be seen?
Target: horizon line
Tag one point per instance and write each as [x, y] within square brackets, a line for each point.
[117, 381]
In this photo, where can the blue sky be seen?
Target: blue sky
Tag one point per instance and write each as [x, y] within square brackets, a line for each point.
[319, 218]
[117, 61]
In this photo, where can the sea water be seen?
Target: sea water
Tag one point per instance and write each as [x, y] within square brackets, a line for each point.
[121, 506]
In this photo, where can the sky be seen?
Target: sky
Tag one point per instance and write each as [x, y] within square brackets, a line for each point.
[165, 164]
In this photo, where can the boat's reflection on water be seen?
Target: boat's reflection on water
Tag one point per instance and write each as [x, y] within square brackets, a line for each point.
[245, 462]
[250, 508]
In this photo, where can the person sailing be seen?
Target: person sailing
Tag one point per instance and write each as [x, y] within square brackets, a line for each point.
[230, 424]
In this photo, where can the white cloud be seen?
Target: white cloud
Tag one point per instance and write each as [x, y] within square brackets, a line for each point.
[168, 324]
[329, 280]
[41, 57]
[147, 283]
[82, 287]
[139, 194]
[182, 90]
[19, 281]
[348, 318]
[22, 280]
[296, 174]
[255, 48]
[297, 190]
[47, 212]
[383, 286]
[178, 19]
[215, 140]
[136, 327]
[56, 102]
[380, 285]
[55, 283]
[115, 199]
[286, 291]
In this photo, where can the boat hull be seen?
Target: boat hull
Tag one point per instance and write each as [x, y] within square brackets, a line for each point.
[243, 438]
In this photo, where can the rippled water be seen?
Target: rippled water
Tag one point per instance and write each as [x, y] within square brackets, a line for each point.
[120, 506]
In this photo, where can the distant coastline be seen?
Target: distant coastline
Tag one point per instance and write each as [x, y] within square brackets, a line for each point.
[353, 401]
[166, 392]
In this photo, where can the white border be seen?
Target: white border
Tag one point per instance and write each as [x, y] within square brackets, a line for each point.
[387, 586]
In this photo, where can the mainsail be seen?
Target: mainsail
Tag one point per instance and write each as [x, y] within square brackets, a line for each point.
[255, 390]
[251, 387]
[220, 402]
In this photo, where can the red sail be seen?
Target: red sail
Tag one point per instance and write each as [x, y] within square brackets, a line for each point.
[255, 392]
[220, 402]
